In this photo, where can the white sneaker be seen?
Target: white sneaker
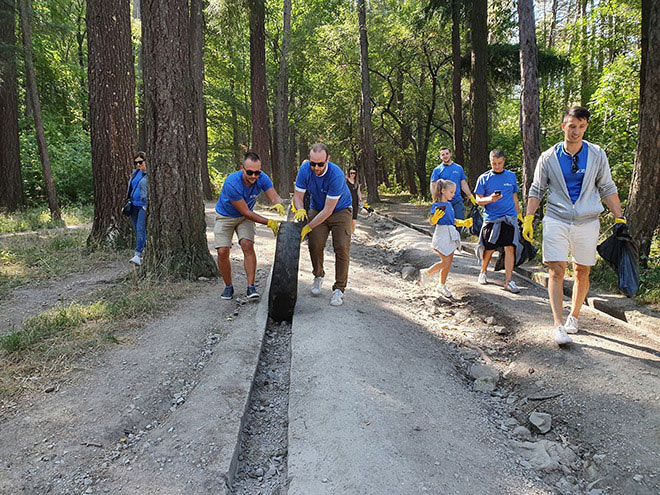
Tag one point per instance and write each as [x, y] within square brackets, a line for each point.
[337, 298]
[316, 286]
[136, 260]
[512, 287]
[444, 291]
[423, 277]
[482, 278]
[571, 325]
[561, 337]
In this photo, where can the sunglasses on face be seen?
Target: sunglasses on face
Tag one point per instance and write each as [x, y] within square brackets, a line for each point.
[137, 162]
[253, 172]
[316, 164]
[352, 173]
[574, 167]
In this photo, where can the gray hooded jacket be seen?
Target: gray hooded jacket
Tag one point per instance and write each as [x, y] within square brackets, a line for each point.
[596, 186]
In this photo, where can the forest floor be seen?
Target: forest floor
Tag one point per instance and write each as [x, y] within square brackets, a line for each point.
[381, 395]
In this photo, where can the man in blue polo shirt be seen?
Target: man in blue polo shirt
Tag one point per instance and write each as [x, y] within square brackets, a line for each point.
[234, 214]
[448, 170]
[577, 178]
[330, 210]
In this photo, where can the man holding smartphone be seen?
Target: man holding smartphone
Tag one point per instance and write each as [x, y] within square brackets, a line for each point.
[497, 192]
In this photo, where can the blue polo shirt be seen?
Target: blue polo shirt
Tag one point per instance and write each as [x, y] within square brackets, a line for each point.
[234, 189]
[448, 218]
[453, 172]
[136, 196]
[488, 183]
[573, 180]
[332, 185]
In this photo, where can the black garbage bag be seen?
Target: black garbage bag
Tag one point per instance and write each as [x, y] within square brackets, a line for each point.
[620, 252]
[528, 252]
[477, 220]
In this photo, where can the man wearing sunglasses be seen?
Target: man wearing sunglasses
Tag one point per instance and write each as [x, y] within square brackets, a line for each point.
[576, 175]
[330, 211]
[234, 214]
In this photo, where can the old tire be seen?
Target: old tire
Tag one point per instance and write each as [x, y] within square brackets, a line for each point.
[284, 281]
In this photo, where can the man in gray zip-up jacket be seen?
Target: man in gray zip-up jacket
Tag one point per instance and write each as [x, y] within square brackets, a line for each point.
[576, 175]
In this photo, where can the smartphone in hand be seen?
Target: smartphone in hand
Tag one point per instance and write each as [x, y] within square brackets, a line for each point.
[497, 193]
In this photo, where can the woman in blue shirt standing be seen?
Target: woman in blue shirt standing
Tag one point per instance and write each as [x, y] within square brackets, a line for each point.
[137, 193]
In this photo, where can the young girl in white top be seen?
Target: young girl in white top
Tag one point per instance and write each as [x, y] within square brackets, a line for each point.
[446, 238]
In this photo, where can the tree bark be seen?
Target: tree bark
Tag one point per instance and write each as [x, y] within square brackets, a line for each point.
[31, 80]
[197, 63]
[479, 90]
[457, 94]
[176, 227]
[643, 210]
[112, 117]
[11, 182]
[142, 144]
[284, 182]
[259, 97]
[530, 126]
[369, 167]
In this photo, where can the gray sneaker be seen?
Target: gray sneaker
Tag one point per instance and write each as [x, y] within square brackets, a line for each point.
[512, 287]
[136, 260]
[571, 324]
[561, 337]
[316, 286]
[337, 298]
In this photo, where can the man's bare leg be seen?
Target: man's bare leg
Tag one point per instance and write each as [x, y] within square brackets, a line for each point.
[556, 271]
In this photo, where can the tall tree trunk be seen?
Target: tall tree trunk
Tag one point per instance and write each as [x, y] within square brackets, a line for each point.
[11, 183]
[553, 26]
[31, 80]
[259, 99]
[112, 117]
[479, 90]
[457, 95]
[197, 63]
[406, 139]
[530, 126]
[176, 227]
[283, 166]
[137, 14]
[369, 167]
[584, 58]
[643, 208]
[235, 133]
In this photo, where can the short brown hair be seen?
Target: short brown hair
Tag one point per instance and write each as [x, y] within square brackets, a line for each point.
[578, 112]
[316, 147]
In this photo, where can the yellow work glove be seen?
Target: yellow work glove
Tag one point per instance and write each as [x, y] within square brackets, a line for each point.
[305, 230]
[520, 217]
[437, 215]
[528, 228]
[620, 220]
[473, 199]
[274, 225]
[301, 215]
[464, 223]
[279, 208]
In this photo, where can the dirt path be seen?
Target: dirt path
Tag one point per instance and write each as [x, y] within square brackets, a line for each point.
[151, 415]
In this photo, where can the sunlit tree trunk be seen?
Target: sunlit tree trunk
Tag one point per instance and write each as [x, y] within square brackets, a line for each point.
[176, 227]
[479, 90]
[369, 167]
[643, 210]
[457, 95]
[31, 80]
[112, 117]
[197, 63]
[259, 94]
[530, 126]
[11, 183]
[283, 167]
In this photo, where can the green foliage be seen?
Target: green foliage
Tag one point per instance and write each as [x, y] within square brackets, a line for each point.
[39, 218]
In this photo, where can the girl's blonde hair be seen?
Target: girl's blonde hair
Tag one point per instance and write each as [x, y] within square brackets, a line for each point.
[443, 185]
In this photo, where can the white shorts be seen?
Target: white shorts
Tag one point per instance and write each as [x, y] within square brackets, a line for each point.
[580, 239]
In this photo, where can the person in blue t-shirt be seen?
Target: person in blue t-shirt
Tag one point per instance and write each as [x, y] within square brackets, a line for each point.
[497, 192]
[330, 211]
[137, 194]
[234, 214]
[448, 170]
[446, 238]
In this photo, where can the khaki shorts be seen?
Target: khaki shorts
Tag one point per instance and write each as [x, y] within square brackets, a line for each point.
[580, 239]
[224, 228]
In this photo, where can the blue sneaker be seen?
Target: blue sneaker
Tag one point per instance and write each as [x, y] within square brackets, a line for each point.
[252, 292]
[228, 293]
